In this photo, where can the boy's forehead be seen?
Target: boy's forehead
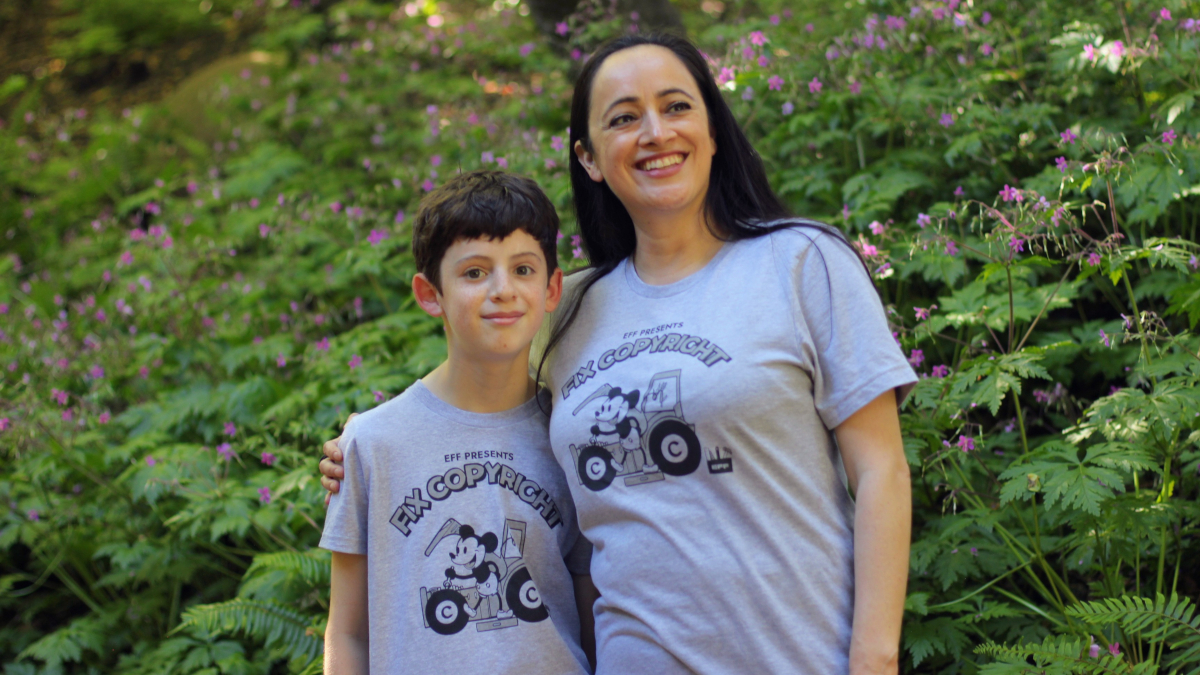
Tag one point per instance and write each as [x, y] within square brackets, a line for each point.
[517, 242]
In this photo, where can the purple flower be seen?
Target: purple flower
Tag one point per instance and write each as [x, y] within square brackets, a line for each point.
[322, 345]
[951, 247]
[814, 87]
[946, 120]
[916, 358]
[150, 461]
[1094, 650]
[104, 417]
[757, 38]
[1104, 338]
[380, 397]
[763, 61]
[856, 88]
[5, 423]
[562, 28]
[1117, 49]
[399, 217]
[264, 230]
[846, 211]
[923, 220]
[808, 27]
[965, 443]
[577, 253]
[1115, 648]
[1168, 137]
[526, 49]
[281, 360]
[940, 371]
[225, 450]
[1165, 15]
[922, 312]
[427, 185]
[556, 143]
[1017, 244]
[376, 236]
[877, 228]
[1193, 263]
[1068, 136]
[894, 22]
[774, 19]
[747, 93]
[1061, 163]
[436, 160]
[32, 514]
[775, 83]
[788, 108]
[1009, 194]
[1093, 259]
[355, 361]
[230, 429]
[959, 192]
[336, 207]
[986, 49]
[986, 18]
[264, 495]
[502, 162]
[268, 458]
[869, 250]
[60, 396]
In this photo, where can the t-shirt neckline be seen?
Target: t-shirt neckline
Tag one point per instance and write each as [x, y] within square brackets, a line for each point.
[474, 419]
[674, 288]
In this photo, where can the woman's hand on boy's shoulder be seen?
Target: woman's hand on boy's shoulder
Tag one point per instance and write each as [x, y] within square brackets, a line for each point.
[331, 465]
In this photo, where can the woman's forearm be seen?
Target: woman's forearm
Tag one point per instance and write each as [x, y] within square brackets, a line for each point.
[882, 528]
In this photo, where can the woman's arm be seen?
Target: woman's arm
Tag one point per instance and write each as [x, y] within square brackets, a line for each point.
[330, 466]
[873, 454]
[585, 598]
[346, 636]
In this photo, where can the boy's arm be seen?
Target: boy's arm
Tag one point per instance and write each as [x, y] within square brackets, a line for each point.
[346, 637]
[585, 597]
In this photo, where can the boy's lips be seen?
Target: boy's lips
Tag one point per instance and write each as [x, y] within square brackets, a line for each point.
[503, 318]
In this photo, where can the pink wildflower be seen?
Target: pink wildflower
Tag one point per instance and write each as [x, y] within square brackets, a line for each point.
[1168, 137]
[562, 28]
[966, 443]
[322, 345]
[1068, 136]
[951, 247]
[5, 423]
[281, 360]
[355, 361]
[1165, 15]
[1115, 648]
[757, 38]
[1009, 194]
[230, 429]
[225, 450]
[1061, 163]
[268, 458]
[104, 417]
[946, 120]
[577, 253]
[814, 87]
[376, 236]
[775, 83]
[940, 371]
[923, 220]
[264, 495]
[1093, 259]
[877, 228]
[150, 461]
[336, 207]
[556, 143]
[916, 358]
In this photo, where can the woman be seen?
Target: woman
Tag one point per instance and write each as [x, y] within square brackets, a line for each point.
[701, 375]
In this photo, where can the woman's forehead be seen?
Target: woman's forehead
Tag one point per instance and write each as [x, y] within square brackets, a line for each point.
[639, 72]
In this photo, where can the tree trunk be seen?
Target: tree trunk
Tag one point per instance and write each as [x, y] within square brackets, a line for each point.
[652, 14]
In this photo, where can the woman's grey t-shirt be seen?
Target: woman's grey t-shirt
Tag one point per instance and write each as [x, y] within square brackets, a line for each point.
[470, 537]
[693, 421]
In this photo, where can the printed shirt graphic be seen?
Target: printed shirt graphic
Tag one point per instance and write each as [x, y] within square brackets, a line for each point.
[693, 421]
[470, 537]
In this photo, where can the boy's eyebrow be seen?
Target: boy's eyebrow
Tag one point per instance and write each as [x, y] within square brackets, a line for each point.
[468, 258]
[634, 99]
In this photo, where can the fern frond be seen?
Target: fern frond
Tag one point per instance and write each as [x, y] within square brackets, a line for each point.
[312, 566]
[1053, 656]
[274, 624]
[1172, 620]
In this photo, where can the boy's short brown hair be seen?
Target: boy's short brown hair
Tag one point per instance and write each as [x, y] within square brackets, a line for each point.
[491, 204]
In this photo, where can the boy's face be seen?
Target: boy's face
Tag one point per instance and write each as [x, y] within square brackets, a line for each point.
[494, 295]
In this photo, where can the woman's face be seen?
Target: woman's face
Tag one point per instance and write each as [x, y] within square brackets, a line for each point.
[649, 131]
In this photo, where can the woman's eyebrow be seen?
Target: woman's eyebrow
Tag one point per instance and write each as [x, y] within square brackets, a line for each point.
[634, 99]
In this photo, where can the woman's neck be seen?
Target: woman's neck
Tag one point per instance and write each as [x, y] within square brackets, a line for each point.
[671, 247]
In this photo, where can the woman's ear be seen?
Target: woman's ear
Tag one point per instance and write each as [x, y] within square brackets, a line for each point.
[588, 161]
[427, 295]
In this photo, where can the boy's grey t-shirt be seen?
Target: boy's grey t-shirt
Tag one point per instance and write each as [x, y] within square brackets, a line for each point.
[470, 537]
[693, 421]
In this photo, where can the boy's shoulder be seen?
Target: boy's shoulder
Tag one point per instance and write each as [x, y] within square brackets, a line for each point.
[390, 419]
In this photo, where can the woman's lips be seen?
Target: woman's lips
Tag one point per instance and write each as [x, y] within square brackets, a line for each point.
[664, 165]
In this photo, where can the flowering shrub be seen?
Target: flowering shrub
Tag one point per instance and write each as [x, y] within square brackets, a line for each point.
[186, 318]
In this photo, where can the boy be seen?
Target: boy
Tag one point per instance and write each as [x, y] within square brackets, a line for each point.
[453, 535]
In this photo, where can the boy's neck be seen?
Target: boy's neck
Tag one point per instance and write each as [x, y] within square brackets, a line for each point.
[482, 386]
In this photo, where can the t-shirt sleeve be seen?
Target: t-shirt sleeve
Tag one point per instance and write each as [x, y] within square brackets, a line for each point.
[346, 520]
[579, 558]
[841, 329]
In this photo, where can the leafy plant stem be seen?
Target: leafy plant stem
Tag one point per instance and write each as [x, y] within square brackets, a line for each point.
[984, 587]
[1137, 315]
[1012, 322]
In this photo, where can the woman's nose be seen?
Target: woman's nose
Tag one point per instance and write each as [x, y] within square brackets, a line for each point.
[653, 129]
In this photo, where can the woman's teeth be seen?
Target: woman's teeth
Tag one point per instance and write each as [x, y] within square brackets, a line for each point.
[662, 162]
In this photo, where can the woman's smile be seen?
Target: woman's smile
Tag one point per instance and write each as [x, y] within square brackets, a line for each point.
[662, 165]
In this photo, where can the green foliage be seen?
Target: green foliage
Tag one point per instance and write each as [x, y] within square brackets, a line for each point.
[188, 317]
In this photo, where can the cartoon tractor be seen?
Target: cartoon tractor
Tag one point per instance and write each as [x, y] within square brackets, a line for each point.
[640, 437]
[507, 594]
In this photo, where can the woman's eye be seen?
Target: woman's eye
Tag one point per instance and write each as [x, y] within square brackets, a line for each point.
[619, 120]
[679, 105]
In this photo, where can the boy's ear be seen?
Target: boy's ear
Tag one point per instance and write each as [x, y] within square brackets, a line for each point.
[588, 161]
[554, 290]
[427, 295]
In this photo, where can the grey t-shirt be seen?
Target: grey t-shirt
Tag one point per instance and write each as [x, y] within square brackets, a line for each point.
[694, 423]
[470, 537]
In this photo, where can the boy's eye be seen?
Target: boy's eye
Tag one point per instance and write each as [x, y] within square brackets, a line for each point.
[474, 273]
[525, 270]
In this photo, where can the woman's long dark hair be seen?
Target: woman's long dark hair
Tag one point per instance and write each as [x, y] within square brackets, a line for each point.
[739, 204]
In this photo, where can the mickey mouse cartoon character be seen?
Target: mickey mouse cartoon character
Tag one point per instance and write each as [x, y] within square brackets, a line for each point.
[613, 423]
[468, 572]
